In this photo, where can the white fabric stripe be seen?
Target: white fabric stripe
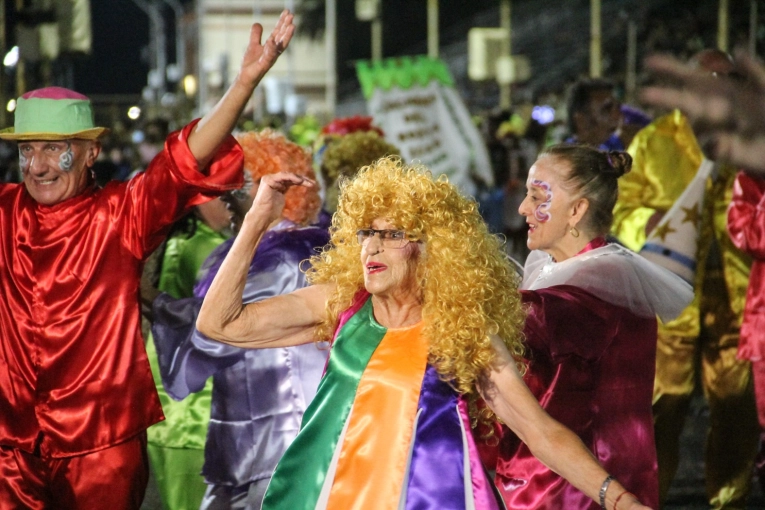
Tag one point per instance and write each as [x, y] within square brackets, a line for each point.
[405, 488]
[469, 496]
[326, 488]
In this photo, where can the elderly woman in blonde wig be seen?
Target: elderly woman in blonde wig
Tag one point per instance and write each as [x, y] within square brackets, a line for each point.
[423, 313]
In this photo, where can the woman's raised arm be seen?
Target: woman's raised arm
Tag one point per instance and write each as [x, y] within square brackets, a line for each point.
[276, 322]
[258, 58]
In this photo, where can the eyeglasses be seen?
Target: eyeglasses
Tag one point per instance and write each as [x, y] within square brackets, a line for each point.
[389, 238]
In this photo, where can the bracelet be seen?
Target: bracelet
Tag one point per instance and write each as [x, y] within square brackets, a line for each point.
[603, 489]
[616, 503]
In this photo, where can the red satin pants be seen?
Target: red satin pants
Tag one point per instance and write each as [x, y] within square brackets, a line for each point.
[114, 478]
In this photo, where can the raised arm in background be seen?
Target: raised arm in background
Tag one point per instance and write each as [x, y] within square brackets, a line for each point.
[728, 115]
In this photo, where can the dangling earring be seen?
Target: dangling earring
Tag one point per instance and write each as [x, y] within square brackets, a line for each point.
[573, 231]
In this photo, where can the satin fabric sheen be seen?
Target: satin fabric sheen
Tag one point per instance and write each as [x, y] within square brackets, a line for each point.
[185, 425]
[176, 445]
[666, 157]
[73, 370]
[113, 478]
[299, 476]
[259, 395]
[439, 473]
[374, 450]
[746, 224]
[591, 366]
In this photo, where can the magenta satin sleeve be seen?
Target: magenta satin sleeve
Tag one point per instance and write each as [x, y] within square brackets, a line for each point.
[565, 320]
[746, 215]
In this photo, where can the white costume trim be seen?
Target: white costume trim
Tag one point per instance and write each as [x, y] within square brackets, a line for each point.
[615, 275]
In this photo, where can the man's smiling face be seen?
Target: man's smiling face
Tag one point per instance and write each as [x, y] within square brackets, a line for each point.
[55, 171]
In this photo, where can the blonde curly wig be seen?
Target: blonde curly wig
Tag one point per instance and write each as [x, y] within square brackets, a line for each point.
[469, 290]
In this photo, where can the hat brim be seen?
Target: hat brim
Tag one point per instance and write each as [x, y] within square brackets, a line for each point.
[87, 134]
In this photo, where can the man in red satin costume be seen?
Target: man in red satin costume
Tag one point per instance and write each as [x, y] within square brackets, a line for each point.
[76, 391]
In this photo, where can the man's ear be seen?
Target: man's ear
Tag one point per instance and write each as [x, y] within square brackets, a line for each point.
[92, 152]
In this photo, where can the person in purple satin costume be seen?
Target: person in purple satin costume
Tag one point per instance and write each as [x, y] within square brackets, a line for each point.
[590, 331]
[259, 396]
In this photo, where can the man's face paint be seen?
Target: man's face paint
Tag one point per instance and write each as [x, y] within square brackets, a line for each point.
[66, 159]
[541, 213]
[24, 162]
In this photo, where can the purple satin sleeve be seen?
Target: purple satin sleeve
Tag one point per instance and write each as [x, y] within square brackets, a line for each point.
[186, 357]
[436, 475]
[277, 245]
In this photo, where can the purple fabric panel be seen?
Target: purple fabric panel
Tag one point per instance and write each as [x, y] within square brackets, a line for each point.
[257, 405]
[186, 357]
[436, 475]
[259, 396]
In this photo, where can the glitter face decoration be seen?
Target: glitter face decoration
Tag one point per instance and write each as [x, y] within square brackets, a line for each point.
[24, 163]
[66, 159]
[541, 213]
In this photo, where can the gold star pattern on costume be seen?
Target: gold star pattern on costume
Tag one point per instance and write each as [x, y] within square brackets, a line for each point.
[663, 231]
[692, 215]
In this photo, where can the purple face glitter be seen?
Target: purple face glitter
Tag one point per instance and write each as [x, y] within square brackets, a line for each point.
[541, 213]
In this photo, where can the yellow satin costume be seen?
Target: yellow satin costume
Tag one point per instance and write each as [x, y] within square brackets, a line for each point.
[666, 157]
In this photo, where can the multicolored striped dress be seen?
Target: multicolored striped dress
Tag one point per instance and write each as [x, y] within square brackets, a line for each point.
[384, 432]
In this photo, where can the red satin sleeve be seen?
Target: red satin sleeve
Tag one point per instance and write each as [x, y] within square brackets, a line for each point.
[746, 215]
[173, 184]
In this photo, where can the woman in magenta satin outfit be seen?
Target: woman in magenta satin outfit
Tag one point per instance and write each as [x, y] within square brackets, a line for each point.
[590, 331]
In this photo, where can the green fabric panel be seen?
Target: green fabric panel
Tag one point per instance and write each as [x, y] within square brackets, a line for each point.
[183, 257]
[185, 424]
[186, 488]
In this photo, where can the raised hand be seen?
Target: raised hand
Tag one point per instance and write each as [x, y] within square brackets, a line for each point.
[259, 58]
[269, 200]
[217, 124]
[728, 116]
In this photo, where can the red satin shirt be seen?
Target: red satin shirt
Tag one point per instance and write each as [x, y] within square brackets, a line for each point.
[74, 377]
[746, 226]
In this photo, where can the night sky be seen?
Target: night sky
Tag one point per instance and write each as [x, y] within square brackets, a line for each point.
[118, 63]
[121, 33]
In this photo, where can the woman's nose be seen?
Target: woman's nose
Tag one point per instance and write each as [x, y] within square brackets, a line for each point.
[524, 208]
[373, 244]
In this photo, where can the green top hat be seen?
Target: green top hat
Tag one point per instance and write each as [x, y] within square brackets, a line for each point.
[53, 113]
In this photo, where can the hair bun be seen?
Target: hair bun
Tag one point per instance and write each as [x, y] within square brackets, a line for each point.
[618, 163]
